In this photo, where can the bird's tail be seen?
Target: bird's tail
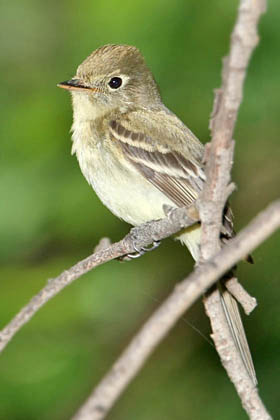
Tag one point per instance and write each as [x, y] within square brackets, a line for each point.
[191, 238]
[235, 324]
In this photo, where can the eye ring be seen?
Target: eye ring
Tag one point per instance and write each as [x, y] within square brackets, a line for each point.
[115, 82]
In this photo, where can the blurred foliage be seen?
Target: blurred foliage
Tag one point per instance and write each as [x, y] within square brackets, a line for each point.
[50, 218]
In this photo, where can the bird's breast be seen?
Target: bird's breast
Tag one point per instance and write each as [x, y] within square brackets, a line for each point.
[115, 180]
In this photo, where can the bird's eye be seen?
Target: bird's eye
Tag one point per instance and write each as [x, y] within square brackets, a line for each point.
[115, 82]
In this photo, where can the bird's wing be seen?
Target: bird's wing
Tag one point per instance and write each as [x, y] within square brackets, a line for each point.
[162, 154]
[153, 151]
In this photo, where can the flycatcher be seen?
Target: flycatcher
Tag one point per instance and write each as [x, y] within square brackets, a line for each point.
[136, 154]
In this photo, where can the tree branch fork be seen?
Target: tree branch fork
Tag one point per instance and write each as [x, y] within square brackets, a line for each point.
[183, 296]
[214, 261]
[139, 237]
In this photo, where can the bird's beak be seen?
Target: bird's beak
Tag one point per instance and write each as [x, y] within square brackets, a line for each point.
[76, 84]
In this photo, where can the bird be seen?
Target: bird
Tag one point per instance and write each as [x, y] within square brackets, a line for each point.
[138, 155]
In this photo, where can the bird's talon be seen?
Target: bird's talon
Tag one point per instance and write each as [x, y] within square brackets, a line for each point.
[139, 251]
[155, 245]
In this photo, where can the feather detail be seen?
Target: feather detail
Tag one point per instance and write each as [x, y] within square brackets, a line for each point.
[179, 178]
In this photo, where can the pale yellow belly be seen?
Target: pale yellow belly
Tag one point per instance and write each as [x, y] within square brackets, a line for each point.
[127, 193]
[121, 188]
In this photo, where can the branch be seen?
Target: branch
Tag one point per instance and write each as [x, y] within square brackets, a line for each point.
[211, 205]
[163, 319]
[244, 39]
[212, 201]
[247, 302]
[138, 238]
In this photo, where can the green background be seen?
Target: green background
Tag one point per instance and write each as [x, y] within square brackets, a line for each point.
[50, 218]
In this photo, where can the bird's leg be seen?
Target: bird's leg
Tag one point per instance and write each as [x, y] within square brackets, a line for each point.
[138, 235]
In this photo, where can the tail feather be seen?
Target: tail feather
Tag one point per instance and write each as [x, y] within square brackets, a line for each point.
[191, 238]
[235, 324]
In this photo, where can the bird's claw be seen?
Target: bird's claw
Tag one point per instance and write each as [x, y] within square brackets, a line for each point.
[139, 251]
[155, 245]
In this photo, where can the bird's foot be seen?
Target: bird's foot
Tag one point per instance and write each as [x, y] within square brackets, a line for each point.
[139, 251]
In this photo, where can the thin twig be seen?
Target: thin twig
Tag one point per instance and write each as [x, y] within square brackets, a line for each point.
[247, 302]
[138, 237]
[163, 319]
[219, 160]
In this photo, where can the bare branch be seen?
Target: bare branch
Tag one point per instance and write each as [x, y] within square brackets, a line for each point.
[244, 39]
[163, 319]
[247, 302]
[215, 262]
[230, 344]
[232, 362]
[138, 237]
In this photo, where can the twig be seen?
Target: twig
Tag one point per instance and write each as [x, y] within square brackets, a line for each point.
[163, 319]
[247, 302]
[138, 237]
[219, 160]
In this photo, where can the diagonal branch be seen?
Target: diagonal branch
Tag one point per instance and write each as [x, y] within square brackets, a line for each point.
[164, 318]
[211, 205]
[215, 262]
[138, 238]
